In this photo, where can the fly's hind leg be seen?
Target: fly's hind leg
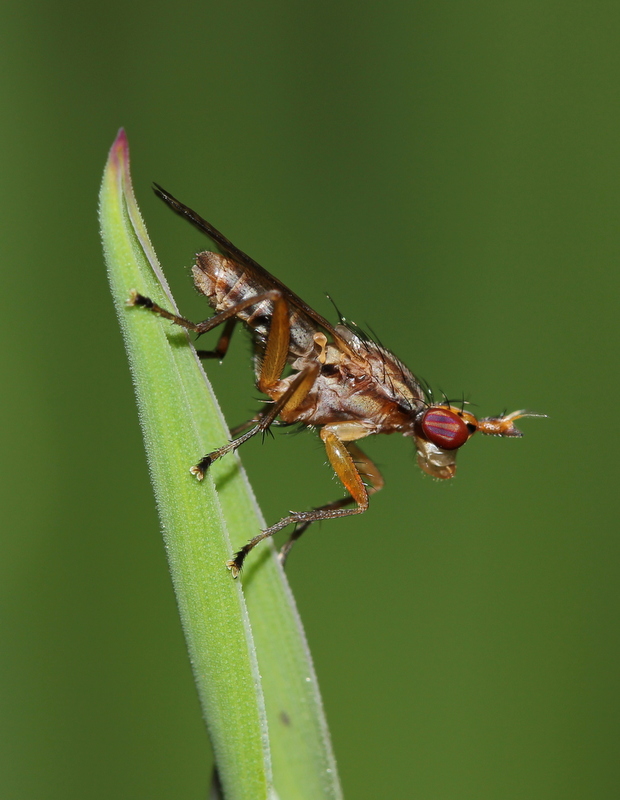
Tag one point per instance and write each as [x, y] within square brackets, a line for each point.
[137, 299]
[342, 456]
[221, 348]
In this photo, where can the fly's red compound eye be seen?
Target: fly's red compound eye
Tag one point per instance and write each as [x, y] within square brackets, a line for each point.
[444, 428]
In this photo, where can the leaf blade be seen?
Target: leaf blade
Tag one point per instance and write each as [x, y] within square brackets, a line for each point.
[161, 357]
[211, 606]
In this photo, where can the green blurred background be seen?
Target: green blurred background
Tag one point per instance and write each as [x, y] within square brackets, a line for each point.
[449, 172]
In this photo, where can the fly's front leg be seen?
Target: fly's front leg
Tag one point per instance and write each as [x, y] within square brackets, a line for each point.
[342, 460]
[256, 418]
[244, 425]
[298, 389]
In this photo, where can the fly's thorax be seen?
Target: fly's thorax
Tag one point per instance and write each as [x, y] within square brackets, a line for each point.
[349, 388]
[397, 382]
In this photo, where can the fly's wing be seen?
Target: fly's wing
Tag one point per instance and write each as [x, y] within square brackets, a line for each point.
[233, 252]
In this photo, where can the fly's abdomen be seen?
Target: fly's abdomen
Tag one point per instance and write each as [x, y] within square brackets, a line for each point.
[226, 284]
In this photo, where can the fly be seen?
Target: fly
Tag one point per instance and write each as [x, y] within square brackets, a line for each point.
[339, 381]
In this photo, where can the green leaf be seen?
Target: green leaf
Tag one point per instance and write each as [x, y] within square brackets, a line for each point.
[251, 663]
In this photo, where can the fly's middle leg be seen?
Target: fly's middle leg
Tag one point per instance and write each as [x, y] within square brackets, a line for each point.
[221, 348]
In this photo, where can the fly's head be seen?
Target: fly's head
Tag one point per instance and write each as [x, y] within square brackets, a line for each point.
[440, 430]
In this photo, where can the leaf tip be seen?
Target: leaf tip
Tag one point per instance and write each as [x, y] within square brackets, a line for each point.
[118, 159]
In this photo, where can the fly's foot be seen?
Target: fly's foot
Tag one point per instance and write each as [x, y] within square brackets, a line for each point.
[234, 569]
[199, 470]
[234, 565]
[137, 299]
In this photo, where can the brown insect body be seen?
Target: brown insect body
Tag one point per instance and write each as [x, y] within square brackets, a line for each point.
[226, 286]
[359, 380]
[340, 381]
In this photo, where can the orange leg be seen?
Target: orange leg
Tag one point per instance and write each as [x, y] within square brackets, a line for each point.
[273, 363]
[272, 366]
[345, 460]
[374, 482]
[276, 348]
[294, 395]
